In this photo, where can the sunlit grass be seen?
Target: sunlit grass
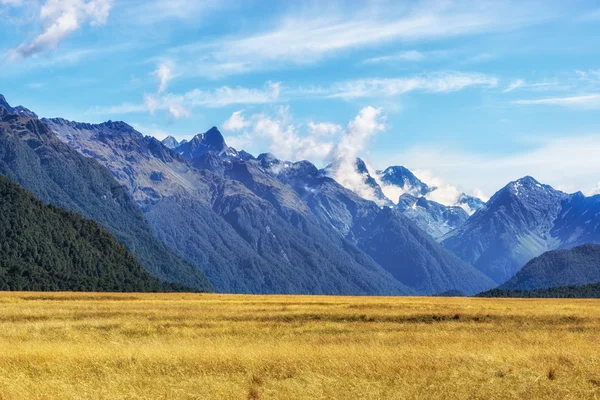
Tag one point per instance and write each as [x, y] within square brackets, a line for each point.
[191, 346]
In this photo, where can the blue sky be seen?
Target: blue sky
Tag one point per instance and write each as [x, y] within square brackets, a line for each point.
[468, 94]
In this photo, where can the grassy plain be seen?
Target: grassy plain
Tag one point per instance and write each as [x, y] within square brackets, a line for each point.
[193, 346]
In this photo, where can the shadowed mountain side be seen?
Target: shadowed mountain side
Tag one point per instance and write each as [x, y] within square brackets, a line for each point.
[578, 266]
[237, 238]
[45, 248]
[31, 155]
[410, 255]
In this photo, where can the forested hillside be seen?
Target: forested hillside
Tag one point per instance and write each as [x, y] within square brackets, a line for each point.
[43, 247]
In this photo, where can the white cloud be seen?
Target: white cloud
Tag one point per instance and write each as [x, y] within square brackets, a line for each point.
[444, 193]
[225, 95]
[285, 138]
[367, 123]
[236, 122]
[570, 162]
[594, 191]
[409, 55]
[585, 102]
[180, 105]
[243, 141]
[172, 104]
[61, 18]
[514, 85]
[310, 36]
[323, 128]
[277, 132]
[164, 73]
[440, 82]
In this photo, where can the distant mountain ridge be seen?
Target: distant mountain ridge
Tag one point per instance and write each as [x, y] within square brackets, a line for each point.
[411, 198]
[589, 291]
[170, 142]
[408, 254]
[434, 218]
[522, 221]
[403, 178]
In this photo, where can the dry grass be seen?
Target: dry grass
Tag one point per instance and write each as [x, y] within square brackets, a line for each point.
[124, 346]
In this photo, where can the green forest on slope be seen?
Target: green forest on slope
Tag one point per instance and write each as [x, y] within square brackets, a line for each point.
[46, 248]
[590, 291]
[32, 156]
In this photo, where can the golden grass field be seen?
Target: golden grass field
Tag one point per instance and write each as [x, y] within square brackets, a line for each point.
[197, 346]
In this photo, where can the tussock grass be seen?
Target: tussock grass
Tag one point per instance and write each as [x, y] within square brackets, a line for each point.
[198, 346]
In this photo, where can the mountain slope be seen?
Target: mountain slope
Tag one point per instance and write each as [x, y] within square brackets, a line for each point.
[46, 248]
[434, 218]
[578, 222]
[513, 227]
[411, 196]
[384, 234]
[577, 266]
[170, 142]
[522, 221]
[404, 179]
[32, 156]
[241, 240]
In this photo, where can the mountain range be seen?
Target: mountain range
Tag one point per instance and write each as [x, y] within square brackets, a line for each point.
[521, 221]
[203, 214]
[258, 225]
[241, 241]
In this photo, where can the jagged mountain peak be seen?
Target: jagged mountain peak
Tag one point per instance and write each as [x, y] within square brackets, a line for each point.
[115, 127]
[470, 204]
[268, 159]
[170, 142]
[402, 177]
[527, 190]
[5, 107]
[3, 101]
[214, 138]
[209, 141]
[361, 166]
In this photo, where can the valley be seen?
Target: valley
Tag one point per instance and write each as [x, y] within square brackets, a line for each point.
[207, 346]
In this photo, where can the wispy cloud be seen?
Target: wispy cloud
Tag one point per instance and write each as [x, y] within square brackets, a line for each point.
[164, 73]
[584, 102]
[442, 82]
[353, 142]
[60, 19]
[514, 85]
[124, 108]
[409, 55]
[578, 169]
[180, 105]
[12, 3]
[236, 122]
[312, 37]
